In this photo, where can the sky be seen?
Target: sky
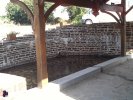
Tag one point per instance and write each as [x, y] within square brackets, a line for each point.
[58, 12]
[3, 6]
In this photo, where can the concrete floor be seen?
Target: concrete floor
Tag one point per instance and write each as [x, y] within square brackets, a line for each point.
[115, 83]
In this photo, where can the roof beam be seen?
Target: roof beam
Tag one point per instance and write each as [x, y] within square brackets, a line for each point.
[85, 3]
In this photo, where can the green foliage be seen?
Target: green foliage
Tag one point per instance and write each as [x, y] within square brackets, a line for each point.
[75, 14]
[18, 16]
[4, 19]
[58, 20]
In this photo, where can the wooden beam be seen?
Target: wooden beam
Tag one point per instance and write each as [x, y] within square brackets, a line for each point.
[40, 42]
[49, 11]
[114, 8]
[85, 3]
[123, 29]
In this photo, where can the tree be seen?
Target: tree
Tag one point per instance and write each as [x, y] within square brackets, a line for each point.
[18, 16]
[75, 13]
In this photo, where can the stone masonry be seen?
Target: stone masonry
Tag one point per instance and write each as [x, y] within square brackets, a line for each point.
[96, 39]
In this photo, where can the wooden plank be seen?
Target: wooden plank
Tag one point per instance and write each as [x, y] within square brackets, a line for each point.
[39, 29]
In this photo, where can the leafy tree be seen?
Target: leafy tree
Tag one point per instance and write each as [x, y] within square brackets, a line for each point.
[75, 13]
[17, 15]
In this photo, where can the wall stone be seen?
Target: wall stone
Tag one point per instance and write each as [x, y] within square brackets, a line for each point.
[96, 39]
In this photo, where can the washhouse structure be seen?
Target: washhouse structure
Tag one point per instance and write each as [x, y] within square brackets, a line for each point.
[39, 17]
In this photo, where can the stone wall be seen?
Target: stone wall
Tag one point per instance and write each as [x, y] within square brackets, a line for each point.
[96, 39]
[129, 34]
[16, 53]
[99, 39]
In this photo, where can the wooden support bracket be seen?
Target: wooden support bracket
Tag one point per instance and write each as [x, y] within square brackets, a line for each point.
[119, 22]
[48, 12]
[129, 9]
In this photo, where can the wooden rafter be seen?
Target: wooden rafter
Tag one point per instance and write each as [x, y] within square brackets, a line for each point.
[81, 3]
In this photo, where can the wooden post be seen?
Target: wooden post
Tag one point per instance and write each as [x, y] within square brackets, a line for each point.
[123, 29]
[39, 31]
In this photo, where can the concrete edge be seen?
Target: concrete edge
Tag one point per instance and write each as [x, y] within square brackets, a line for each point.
[113, 62]
[74, 78]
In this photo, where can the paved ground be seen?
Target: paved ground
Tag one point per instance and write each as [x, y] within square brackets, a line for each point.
[113, 84]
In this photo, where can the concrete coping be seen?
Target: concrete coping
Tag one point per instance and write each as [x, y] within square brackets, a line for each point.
[113, 62]
[73, 78]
